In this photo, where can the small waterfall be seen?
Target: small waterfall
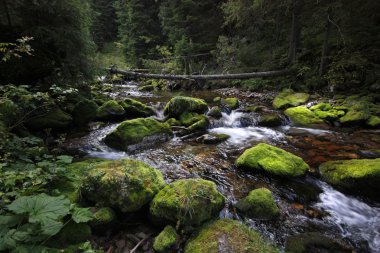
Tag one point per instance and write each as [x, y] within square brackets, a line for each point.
[354, 218]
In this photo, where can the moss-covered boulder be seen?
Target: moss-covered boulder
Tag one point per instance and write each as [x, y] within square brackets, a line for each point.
[288, 98]
[354, 117]
[359, 111]
[254, 108]
[134, 108]
[330, 115]
[373, 122]
[231, 103]
[166, 240]
[103, 216]
[228, 235]
[110, 110]
[270, 120]
[215, 112]
[259, 204]
[273, 160]
[84, 112]
[132, 132]
[300, 115]
[194, 122]
[321, 107]
[187, 201]
[359, 175]
[173, 122]
[179, 105]
[55, 119]
[125, 185]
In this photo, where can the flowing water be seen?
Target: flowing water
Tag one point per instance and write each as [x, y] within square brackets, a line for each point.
[308, 205]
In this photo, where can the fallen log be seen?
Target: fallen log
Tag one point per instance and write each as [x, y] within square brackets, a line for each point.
[134, 74]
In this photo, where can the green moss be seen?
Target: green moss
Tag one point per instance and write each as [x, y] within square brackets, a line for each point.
[272, 160]
[134, 131]
[102, 216]
[147, 88]
[231, 103]
[300, 115]
[134, 108]
[254, 108]
[288, 98]
[215, 112]
[217, 99]
[228, 235]
[173, 122]
[259, 204]
[126, 185]
[165, 240]
[110, 110]
[9, 112]
[270, 120]
[187, 201]
[321, 107]
[84, 112]
[354, 117]
[359, 175]
[194, 122]
[373, 121]
[179, 105]
[330, 115]
[55, 119]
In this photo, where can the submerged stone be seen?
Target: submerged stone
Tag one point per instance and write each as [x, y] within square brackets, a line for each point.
[228, 235]
[300, 115]
[259, 204]
[132, 132]
[110, 110]
[126, 185]
[134, 108]
[288, 98]
[165, 240]
[359, 175]
[187, 201]
[179, 105]
[273, 160]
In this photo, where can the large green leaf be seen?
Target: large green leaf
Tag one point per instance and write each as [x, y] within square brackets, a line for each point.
[82, 214]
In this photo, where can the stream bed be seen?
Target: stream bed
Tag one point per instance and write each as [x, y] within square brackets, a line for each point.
[307, 204]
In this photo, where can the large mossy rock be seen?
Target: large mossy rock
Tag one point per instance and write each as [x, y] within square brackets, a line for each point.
[194, 122]
[300, 115]
[230, 103]
[125, 185]
[187, 201]
[287, 98]
[360, 109]
[259, 204]
[84, 112]
[110, 110]
[273, 160]
[55, 119]
[228, 235]
[270, 120]
[215, 112]
[373, 122]
[132, 132]
[357, 175]
[134, 108]
[179, 105]
[165, 240]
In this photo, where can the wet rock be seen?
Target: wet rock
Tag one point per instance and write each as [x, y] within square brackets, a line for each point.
[165, 240]
[173, 122]
[259, 204]
[84, 112]
[194, 122]
[126, 185]
[132, 132]
[359, 175]
[215, 112]
[213, 138]
[134, 108]
[227, 235]
[270, 120]
[253, 108]
[288, 98]
[180, 105]
[55, 119]
[315, 242]
[230, 103]
[110, 110]
[187, 201]
[302, 116]
[273, 160]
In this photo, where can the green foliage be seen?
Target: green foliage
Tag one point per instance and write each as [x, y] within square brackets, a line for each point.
[10, 50]
[30, 221]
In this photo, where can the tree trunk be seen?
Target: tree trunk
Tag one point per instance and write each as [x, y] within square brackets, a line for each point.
[5, 5]
[325, 47]
[133, 74]
[296, 31]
